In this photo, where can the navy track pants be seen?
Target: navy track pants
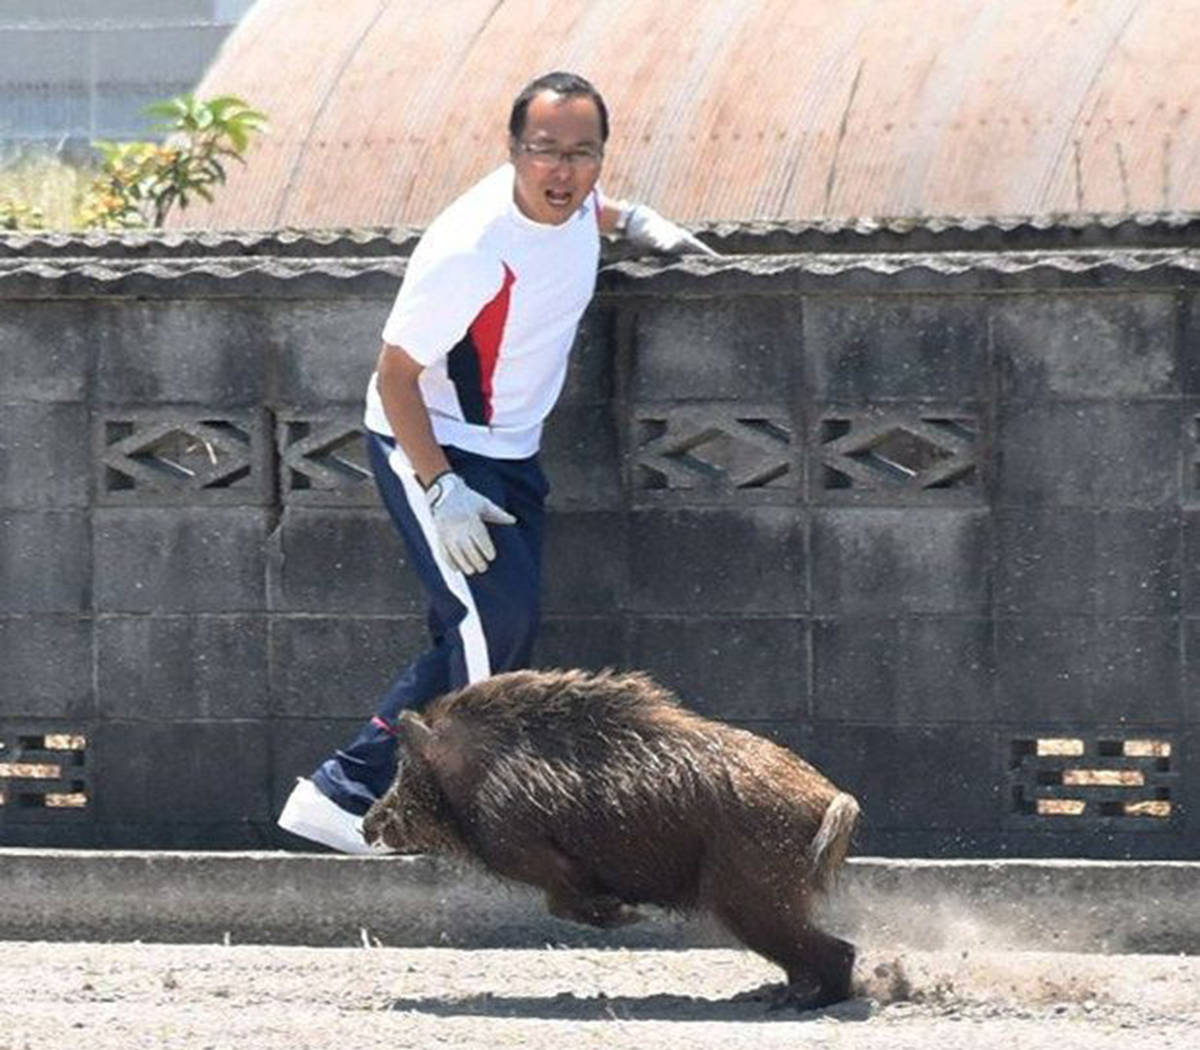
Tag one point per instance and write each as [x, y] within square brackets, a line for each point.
[480, 625]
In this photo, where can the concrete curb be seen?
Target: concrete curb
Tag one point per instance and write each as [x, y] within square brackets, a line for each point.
[296, 898]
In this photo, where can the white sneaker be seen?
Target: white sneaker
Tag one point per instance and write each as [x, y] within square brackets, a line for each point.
[315, 816]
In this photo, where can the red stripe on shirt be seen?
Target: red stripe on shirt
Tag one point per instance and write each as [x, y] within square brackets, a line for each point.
[487, 330]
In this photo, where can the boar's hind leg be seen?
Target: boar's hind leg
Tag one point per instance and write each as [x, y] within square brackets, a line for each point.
[603, 911]
[830, 960]
[818, 966]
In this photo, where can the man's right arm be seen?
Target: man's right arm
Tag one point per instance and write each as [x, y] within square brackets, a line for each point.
[460, 514]
[406, 413]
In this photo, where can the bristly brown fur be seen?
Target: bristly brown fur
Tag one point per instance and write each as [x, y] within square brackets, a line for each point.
[603, 790]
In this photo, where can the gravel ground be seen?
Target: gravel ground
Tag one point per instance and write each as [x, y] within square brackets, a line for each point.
[100, 996]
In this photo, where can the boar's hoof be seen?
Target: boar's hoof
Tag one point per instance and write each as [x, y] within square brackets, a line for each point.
[605, 911]
[805, 995]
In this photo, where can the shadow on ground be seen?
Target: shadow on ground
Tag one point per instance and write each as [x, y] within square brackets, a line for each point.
[760, 1004]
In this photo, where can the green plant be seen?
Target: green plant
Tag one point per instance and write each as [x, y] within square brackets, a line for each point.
[140, 182]
[38, 190]
[17, 215]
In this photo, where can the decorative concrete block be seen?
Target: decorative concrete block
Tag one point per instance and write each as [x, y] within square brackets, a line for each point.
[169, 456]
[1106, 777]
[71, 833]
[824, 506]
[169, 668]
[714, 452]
[900, 453]
[323, 458]
[60, 792]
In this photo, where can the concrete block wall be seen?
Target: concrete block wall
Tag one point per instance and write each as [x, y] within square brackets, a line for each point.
[934, 522]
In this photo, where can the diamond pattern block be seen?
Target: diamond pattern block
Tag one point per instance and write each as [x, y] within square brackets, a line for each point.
[714, 447]
[182, 458]
[324, 461]
[893, 452]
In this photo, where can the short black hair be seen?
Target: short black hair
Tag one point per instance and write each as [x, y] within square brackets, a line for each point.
[568, 84]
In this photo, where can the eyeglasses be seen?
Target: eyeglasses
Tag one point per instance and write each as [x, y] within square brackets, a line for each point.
[551, 156]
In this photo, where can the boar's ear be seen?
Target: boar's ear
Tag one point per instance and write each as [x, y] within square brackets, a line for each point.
[414, 733]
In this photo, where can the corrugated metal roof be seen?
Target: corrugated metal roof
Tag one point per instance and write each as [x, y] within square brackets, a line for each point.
[383, 110]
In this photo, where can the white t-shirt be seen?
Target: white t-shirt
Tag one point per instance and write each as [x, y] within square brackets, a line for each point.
[489, 304]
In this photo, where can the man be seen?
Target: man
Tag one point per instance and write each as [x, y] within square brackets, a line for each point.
[474, 356]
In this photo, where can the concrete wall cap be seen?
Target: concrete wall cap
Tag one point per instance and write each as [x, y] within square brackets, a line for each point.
[284, 268]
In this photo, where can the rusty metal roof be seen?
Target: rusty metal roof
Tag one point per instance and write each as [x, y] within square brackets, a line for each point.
[383, 110]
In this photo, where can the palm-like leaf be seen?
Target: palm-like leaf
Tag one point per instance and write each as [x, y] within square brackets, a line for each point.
[142, 181]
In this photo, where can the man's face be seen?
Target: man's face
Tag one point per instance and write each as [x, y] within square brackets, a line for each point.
[557, 158]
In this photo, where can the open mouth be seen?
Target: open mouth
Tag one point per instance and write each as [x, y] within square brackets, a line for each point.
[559, 198]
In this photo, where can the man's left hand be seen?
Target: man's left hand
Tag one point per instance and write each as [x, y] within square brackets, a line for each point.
[647, 229]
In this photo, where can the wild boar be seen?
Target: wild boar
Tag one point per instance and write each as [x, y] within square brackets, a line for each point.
[605, 792]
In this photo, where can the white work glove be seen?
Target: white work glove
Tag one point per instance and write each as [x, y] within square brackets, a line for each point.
[459, 514]
[647, 229]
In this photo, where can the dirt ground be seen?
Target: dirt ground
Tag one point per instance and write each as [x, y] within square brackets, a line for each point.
[56, 995]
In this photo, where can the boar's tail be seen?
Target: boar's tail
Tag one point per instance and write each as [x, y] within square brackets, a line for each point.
[832, 841]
